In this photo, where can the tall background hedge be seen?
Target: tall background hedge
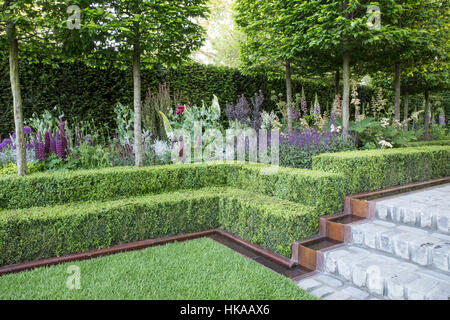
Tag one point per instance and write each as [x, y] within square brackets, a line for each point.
[86, 93]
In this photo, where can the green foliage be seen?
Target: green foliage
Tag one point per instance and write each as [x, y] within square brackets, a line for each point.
[380, 134]
[379, 169]
[58, 213]
[124, 123]
[270, 222]
[439, 132]
[294, 156]
[430, 143]
[54, 231]
[91, 157]
[89, 94]
[104, 184]
[41, 232]
[11, 168]
[312, 188]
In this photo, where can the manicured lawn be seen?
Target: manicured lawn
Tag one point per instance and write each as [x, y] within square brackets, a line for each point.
[197, 269]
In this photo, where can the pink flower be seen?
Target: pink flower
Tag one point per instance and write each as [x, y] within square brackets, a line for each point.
[180, 109]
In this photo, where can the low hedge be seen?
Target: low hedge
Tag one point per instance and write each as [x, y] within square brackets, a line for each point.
[430, 143]
[47, 189]
[42, 232]
[319, 189]
[380, 169]
[54, 214]
[312, 188]
[270, 222]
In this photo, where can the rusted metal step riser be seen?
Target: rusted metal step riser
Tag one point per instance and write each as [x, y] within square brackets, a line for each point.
[336, 230]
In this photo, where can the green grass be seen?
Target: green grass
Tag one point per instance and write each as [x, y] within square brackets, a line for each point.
[197, 269]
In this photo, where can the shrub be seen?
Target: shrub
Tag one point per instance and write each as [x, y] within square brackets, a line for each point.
[319, 189]
[270, 222]
[379, 169]
[46, 189]
[11, 168]
[430, 143]
[37, 233]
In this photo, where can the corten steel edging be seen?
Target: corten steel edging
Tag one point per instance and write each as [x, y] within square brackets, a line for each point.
[102, 252]
[363, 204]
[138, 245]
[273, 256]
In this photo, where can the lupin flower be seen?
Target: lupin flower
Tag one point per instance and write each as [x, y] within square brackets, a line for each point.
[47, 142]
[52, 143]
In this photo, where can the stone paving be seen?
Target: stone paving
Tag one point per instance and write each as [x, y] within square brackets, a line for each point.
[403, 254]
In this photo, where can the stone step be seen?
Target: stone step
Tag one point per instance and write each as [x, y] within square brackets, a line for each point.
[412, 244]
[385, 276]
[428, 209]
[330, 287]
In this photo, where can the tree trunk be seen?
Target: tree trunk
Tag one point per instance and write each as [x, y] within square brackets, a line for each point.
[397, 90]
[346, 93]
[17, 99]
[406, 110]
[137, 104]
[426, 116]
[337, 77]
[289, 95]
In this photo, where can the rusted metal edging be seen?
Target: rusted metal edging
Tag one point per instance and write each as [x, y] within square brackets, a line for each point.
[364, 204]
[270, 255]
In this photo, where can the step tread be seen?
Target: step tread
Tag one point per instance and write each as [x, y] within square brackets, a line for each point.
[429, 209]
[420, 246]
[386, 276]
[330, 287]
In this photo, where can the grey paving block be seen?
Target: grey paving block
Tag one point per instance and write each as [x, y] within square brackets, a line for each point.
[323, 291]
[338, 295]
[309, 284]
[330, 281]
[356, 293]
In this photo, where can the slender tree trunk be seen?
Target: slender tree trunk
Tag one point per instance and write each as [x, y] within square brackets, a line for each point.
[289, 95]
[406, 110]
[17, 99]
[426, 117]
[397, 90]
[137, 103]
[337, 77]
[346, 93]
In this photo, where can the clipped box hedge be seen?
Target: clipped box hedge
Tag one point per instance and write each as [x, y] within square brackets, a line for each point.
[270, 222]
[52, 214]
[312, 188]
[380, 169]
[430, 143]
[42, 232]
[319, 189]
[47, 189]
